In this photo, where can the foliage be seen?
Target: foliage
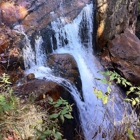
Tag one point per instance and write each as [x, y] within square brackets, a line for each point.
[114, 76]
[8, 101]
[61, 111]
[12, 115]
[99, 93]
[130, 134]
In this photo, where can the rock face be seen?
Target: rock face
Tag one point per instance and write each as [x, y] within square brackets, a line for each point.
[123, 54]
[31, 15]
[10, 51]
[113, 17]
[35, 22]
[64, 65]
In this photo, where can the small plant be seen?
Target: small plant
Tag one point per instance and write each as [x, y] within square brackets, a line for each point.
[114, 76]
[8, 101]
[14, 116]
[61, 111]
[99, 93]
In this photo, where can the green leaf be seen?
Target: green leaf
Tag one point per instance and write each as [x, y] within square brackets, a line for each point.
[108, 89]
[64, 111]
[133, 102]
[137, 100]
[95, 91]
[128, 83]
[128, 100]
[118, 81]
[106, 73]
[50, 99]
[132, 89]
[100, 94]
[105, 99]
[128, 92]
[47, 132]
[2, 98]
[57, 105]
[53, 116]
[123, 83]
[104, 81]
[112, 77]
[130, 134]
[68, 116]
[60, 101]
[62, 118]
[137, 93]
[58, 136]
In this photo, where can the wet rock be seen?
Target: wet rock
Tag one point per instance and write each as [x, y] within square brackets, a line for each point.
[31, 15]
[31, 76]
[64, 65]
[124, 56]
[37, 18]
[49, 41]
[40, 89]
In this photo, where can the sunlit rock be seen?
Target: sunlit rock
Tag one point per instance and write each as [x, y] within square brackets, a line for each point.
[64, 65]
[113, 17]
[11, 13]
[124, 56]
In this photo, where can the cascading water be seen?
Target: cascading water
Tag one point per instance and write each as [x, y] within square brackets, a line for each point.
[97, 120]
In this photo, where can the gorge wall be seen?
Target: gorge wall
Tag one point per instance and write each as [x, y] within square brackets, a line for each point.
[116, 22]
[113, 17]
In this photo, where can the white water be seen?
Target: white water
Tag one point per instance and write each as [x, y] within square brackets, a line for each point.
[93, 114]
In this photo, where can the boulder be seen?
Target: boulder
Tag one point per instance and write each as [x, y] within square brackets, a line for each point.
[123, 55]
[31, 76]
[64, 65]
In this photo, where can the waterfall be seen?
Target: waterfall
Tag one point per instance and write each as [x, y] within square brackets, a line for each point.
[97, 120]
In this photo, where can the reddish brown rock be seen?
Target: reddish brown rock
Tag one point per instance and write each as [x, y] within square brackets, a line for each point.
[38, 87]
[37, 18]
[4, 40]
[124, 56]
[30, 76]
[11, 13]
[33, 18]
[113, 17]
[10, 49]
[65, 66]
